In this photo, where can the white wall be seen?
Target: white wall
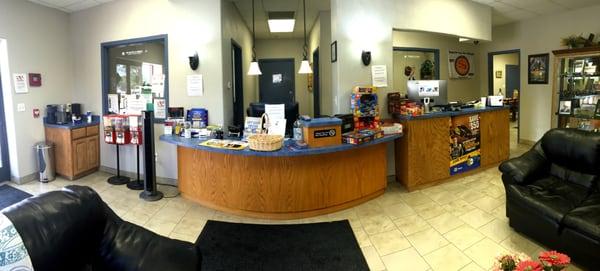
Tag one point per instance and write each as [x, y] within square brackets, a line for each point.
[190, 25]
[289, 48]
[234, 28]
[500, 62]
[458, 89]
[536, 36]
[37, 41]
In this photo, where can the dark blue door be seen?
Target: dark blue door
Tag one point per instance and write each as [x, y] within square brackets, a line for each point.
[5, 166]
[277, 82]
[316, 85]
[512, 80]
[238, 85]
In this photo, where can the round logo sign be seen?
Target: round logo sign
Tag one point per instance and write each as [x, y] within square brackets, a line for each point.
[462, 65]
[332, 132]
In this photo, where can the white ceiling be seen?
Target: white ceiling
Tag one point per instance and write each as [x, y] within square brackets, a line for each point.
[261, 7]
[70, 5]
[508, 11]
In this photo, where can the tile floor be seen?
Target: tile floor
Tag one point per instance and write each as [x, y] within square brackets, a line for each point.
[459, 225]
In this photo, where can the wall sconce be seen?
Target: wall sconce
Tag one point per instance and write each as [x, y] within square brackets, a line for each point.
[366, 57]
[194, 61]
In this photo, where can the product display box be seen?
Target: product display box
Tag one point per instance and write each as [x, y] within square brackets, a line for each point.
[321, 132]
[361, 137]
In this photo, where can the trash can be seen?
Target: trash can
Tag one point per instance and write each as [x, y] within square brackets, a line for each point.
[45, 157]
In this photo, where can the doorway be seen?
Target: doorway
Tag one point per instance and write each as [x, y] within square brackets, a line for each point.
[277, 82]
[504, 78]
[316, 84]
[237, 84]
[4, 162]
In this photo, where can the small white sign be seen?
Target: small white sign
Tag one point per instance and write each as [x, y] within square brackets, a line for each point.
[379, 75]
[275, 111]
[429, 88]
[195, 85]
[277, 78]
[135, 104]
[277, 127]
[160, 108]
[20, 81]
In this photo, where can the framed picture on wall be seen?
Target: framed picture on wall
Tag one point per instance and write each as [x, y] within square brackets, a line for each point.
[498, 74]
[334, 51]
[537, 71]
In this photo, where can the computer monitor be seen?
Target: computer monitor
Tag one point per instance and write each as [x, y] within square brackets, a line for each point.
[436, 90]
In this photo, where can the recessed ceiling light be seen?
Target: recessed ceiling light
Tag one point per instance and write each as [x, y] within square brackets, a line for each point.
[282, 21]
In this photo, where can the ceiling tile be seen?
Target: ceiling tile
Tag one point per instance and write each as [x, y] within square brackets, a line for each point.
[499, 6]
[83, 4]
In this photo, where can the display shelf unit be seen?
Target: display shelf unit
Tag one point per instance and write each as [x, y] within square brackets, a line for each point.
[576, 88]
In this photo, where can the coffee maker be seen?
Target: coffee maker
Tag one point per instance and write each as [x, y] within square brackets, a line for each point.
[63, 114]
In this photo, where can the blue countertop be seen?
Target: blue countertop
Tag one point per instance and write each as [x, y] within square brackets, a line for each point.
[70, 125]
[466, 111]
[286, 150]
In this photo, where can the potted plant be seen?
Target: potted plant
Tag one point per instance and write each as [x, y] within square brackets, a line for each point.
[574, 41]
[427, 70]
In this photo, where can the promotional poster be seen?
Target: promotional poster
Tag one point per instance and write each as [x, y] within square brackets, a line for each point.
[465, 154]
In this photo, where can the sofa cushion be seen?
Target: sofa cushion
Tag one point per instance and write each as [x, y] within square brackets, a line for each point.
[587, 180]
[586, 217]
[573, 149]
[550, 196]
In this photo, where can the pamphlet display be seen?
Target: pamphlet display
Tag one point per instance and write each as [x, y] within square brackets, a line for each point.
[465, 141]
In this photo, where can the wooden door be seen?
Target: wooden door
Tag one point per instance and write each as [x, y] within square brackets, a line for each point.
[80, 156]
[93, 156]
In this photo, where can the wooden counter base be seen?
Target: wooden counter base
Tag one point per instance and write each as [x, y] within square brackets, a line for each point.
[282, 187]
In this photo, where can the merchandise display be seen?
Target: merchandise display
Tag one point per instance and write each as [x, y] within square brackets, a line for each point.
[365, 108]
[362, 136]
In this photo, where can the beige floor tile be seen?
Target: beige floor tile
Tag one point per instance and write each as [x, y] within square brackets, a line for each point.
[170, 214]
[497, 230]
[487, 203]
[411, 224]
[373, 259]
[136, 217]
[500, 212]
[389, 198]
[464, 236]
[189, 226]
[470, 195]
[349, 215]
[485, 252]
[476, 218]
[447, 258]
[415, 199]
[472, 267]
[398, 211]
[427, 241]
[160, 227]
[429, 210]
[389, 242]
[517, 243]
[368, 209]
[200, 212]
[377, 224]
[443, 197]
[445, 222]
[408, 259]
[183, 237]
[362, 237]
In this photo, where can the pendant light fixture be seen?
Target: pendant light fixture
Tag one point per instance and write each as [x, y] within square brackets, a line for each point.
[304, 66]
[254, 68]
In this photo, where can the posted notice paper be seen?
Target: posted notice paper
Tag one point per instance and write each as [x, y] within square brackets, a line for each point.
[20, 81]
[194, 85]
[275, 111]
[379, 75]
[160, 108]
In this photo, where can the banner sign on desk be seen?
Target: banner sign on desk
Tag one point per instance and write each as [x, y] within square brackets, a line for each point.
[465, 141]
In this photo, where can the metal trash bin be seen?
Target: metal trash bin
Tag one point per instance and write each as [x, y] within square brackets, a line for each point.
[45, 157]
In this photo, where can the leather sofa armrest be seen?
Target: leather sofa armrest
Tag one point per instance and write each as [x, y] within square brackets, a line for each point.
[527, 167]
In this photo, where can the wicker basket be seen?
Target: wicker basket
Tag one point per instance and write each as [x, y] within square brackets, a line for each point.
[263, 141]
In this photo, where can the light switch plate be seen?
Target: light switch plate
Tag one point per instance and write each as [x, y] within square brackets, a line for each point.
[21, 107]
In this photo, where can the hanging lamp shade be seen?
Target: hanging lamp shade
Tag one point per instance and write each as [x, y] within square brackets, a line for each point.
[304, 66]
[254, 68]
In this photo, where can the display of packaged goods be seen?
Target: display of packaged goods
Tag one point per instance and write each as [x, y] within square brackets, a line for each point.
[394, 128]
[361, 137]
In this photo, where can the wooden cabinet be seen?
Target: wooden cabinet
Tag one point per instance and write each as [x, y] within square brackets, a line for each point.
[76, 150]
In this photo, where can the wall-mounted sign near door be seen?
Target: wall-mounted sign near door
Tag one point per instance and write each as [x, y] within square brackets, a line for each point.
[324, 133]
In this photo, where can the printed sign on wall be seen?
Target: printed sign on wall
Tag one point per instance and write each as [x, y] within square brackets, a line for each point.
[461, 64]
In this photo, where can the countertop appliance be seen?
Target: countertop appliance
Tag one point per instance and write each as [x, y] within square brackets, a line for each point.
[51, 113]
[63, 115]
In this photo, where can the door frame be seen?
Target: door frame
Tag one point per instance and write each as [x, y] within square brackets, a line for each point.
[490, 75]
[270, 60]
[5, 169]
[316, 83]
[237, 75]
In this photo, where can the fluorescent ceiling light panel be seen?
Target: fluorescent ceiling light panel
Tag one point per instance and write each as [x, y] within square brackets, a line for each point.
[281, 21]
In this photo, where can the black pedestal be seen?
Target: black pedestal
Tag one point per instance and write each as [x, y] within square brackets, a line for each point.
[150, 192]
[118, 180]
[151, 196]
[137, 184]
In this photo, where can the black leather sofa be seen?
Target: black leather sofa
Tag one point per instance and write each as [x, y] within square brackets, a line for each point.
[73, 229]
[553, 194]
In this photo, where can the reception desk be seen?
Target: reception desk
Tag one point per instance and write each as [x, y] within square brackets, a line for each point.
[423, 155]
[285, 184]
